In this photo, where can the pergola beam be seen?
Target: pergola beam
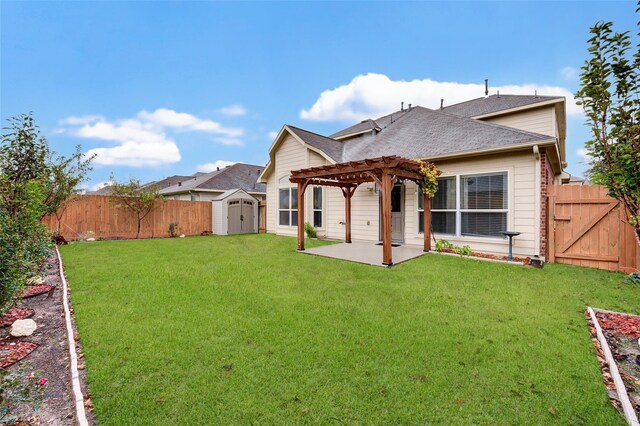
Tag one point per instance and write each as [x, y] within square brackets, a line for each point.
[384, 171]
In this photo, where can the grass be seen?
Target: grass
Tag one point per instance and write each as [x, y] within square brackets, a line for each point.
[244, 330]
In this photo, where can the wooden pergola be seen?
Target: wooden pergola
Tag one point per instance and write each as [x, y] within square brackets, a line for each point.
[384, 171]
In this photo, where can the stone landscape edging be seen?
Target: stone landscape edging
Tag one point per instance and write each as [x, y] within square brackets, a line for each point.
[81, 415]
[627, 409]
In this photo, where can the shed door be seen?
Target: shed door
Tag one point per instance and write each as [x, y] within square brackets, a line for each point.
[247, 217]
[234, 217]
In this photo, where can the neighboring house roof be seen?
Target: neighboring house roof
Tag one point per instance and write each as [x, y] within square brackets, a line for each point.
[239, 175]
[105, 190]
[496, 103]
[167, 182]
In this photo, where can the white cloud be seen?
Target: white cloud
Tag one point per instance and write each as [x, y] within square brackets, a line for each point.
[582, 153]
[143, 141]
[209, 167]
[272, 135]
[234, 110]
[569, 73]
[79, 120]
[139, 144]
[163, 117]
[373, 95]
[229, 141]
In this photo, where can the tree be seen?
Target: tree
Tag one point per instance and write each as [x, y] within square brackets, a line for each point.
[610, 96]
[25, 156]
[34, 182]
[138, 199]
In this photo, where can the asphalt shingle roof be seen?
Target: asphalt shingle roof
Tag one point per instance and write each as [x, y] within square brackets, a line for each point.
[167, 182]
[329, 146]
[494, 103]
[239, 175]
[426, 133]
[361, 127]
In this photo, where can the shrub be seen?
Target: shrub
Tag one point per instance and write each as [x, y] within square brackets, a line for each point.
[310, 230]
[443, 245]
[633, 278]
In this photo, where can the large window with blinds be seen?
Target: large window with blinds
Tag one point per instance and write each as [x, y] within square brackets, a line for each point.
[483, 204]
[469, 205]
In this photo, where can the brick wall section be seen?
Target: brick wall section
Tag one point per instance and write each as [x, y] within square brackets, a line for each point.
[546, 179]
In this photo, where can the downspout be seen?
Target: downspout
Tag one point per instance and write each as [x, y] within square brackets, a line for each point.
[538, 171]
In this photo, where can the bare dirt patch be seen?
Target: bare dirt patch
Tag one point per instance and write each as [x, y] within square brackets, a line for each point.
[51, 358]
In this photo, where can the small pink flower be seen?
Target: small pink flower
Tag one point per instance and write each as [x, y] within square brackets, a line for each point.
[43, 381]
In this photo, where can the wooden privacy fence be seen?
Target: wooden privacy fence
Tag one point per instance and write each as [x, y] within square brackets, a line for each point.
[99, 214]
[589, 228]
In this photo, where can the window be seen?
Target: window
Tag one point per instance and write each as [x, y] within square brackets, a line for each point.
[481, 209]
[443, 208]
[317, 207]
[483, 204]
[288, 206]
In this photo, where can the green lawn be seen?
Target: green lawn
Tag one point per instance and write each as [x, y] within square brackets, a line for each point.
[244, 330]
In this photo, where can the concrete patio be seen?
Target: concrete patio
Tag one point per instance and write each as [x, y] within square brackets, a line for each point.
[366, 252]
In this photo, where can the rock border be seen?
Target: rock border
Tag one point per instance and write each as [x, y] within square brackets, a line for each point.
[81, 415]
[627, 409]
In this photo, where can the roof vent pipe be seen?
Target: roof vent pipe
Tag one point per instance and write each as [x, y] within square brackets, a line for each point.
[535, 93]
[217, 169]
[498, 93]
[409, 107]
[401, 106]
[486, 87]
[441, 103]
[179, 183]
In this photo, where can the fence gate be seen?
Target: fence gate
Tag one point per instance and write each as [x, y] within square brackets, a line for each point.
[588, 228]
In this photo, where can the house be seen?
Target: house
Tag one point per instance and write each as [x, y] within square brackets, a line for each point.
[208, 186]
[497, 155]
[160, 184]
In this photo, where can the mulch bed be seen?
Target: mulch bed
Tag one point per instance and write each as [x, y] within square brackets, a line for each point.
[12, 352]
[36, 290]
[15, 314]
[622, 333]
[523, 260]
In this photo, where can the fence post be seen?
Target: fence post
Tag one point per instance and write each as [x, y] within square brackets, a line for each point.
[551, 228]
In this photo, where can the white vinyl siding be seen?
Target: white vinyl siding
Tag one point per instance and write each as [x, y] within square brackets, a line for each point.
[540, 120]
[521, 202]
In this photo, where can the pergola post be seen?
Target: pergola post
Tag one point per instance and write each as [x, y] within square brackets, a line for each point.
[301, 188]
[347, 192]
[387, 185]
[426, 216]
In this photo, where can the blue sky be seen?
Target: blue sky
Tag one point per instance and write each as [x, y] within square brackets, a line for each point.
[162, 88]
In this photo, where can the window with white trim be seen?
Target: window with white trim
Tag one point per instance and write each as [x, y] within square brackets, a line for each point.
[483, 205]
[480, 211]
[317, 207]
[287, 203]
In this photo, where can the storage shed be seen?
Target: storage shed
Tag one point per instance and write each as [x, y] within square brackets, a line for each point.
[235, 212]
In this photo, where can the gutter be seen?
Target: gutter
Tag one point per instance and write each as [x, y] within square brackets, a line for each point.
[508, 148]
